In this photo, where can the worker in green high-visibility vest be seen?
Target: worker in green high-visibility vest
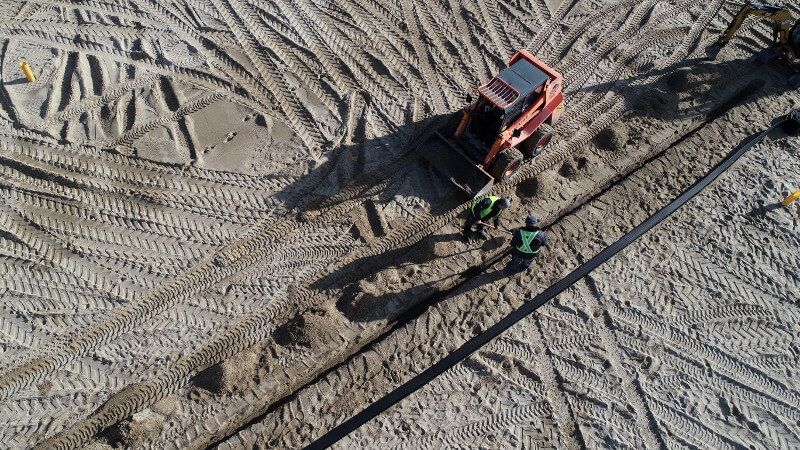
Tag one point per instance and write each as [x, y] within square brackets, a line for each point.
[525, 245]
[481, 212]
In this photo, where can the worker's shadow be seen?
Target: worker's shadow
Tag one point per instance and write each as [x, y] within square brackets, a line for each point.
[370, 285]
[360, 304]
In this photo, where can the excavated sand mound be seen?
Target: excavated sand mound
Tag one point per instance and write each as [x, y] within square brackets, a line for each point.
[371, 298]
[612, 138]
[230, 375]
[308, 330]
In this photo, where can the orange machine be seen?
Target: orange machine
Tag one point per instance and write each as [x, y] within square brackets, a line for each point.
[511, 119]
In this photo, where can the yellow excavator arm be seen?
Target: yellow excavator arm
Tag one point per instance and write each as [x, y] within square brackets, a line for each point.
[781, 16]
[786, 39]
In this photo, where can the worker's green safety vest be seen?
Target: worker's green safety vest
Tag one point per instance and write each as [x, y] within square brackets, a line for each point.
[527, 238]
[485, 212]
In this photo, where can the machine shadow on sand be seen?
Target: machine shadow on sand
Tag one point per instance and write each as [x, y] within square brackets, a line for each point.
[355, 167]
[690, 80]
[364, 305]
[349, 177]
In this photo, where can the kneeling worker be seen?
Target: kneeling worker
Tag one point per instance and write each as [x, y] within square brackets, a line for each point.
[483, 210]
[525, 245]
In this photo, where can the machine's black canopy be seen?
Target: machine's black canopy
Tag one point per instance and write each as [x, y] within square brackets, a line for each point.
[524, 77]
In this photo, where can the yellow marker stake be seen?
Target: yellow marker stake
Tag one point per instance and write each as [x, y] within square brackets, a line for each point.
[28, 72]
[794, 196]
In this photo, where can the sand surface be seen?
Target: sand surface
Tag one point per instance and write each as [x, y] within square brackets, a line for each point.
[694, 348]
[215, 222]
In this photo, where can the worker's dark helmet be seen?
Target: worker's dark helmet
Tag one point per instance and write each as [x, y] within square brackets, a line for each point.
[531, 221]
[503, 203]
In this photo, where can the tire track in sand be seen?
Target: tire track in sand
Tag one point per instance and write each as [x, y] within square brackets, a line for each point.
[432, 87]
[296, 113]
[569, 432]
[646, 422]
[162, 386]
[228, 261]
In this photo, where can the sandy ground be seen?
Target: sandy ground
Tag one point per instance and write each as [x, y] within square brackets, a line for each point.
[215, 212]
[686, 339]
[578, 362]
